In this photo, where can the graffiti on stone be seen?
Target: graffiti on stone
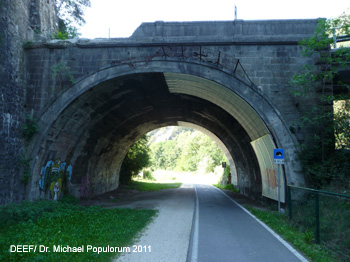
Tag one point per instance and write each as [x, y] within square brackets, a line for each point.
[69, 172]
[44, 171]
[56, 189]
[53, 177]
[271, 175]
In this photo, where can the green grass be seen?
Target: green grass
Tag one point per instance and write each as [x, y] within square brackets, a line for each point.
[334, 219]
[227, 187]
[304, 242]
[151, 186]
[49, 223]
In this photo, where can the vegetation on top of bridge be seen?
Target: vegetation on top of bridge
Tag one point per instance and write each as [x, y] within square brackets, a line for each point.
[325, 157]
[70, 14]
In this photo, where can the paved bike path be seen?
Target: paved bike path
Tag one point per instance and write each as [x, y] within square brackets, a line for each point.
[223, 231]
[167, 238]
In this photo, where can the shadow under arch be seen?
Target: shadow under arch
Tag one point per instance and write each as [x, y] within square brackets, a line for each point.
[258, 117]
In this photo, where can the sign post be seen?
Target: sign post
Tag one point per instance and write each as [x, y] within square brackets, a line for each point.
[223, 164]
[278, 157]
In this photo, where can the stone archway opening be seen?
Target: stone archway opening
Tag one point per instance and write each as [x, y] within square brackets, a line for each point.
[186, 153]
[100, 118]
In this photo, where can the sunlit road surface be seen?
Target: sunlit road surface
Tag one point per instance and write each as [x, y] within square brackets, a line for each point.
[199, 223]
[168, 235]
[223, 231]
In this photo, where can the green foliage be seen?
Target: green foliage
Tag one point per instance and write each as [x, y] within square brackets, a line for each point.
[227, 187]
[328, 64]
[227, 171]
[69, 199]
[36, 31]
[186, 150]
[52, 223]
[137, 158]
[309, 236]
[165, 154]
[65, 31]
[60, 35]
[147, 174]
[70, 14]
[30, 128]
[334, 219]
[26, 44]
[62, 72]
[151, 186]
[72, 11]
[331, 129]
[24, 163]
[322, 164]
[342, 124]
[24, 212]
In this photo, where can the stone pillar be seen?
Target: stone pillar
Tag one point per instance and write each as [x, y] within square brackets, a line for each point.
[20, 22]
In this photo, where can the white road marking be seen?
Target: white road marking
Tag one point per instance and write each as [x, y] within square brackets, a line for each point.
[287, 245]
[194, 253]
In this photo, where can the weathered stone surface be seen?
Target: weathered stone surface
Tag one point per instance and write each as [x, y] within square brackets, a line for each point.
[18, 19]
[95, 98]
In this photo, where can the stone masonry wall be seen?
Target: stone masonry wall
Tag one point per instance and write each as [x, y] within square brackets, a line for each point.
[263, 52]
[266, 54]
[20, 21]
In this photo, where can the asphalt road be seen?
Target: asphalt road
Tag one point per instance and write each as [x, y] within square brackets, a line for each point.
[199, 223]
[223, 231]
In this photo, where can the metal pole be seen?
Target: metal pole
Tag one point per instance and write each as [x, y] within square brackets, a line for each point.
[290, 202]
[334, 38]
[279, 191]
[317, 214]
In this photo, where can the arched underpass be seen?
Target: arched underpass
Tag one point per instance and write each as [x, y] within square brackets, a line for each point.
[92, 125]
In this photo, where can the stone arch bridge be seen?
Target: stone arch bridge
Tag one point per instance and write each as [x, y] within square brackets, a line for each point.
[94, 98]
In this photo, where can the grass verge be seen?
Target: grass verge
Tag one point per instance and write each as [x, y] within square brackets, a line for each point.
[151, 186]
[49, 224]
[301, 241]
[227, 187]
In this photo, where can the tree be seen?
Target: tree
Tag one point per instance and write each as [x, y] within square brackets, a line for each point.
[158, 156]
[342, 124]
[138, 158]
[186, 150]
[70, 15]
[321, 161]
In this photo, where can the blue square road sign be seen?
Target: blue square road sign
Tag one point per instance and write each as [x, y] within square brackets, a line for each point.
[278, 156]
[278, 153]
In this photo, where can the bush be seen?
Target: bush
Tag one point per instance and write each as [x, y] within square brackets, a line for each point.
[230, 187]
[30, 128]
[69, 199]
[148, 175]
[137, 159]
